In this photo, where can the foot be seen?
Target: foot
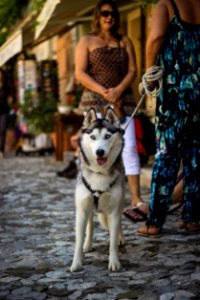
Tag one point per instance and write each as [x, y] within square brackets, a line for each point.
[136, 202]
[114, 265]
[149, 231]
[76, 266]
[1, 154]
[143, 207]
[70, 171]
[192, 227]
[182, 224]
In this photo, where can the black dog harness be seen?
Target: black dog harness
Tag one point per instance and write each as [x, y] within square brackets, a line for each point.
[96, 193]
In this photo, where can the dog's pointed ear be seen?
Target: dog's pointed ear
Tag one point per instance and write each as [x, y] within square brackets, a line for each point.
[89, 118]
[111, 116]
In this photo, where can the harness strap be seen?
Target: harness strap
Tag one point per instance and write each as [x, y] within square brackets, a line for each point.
[176, 11]
[84, 155]
[96, 193]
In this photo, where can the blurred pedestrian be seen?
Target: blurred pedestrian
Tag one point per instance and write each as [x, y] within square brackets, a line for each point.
[4, 111]
[71, 170]
[174, 44]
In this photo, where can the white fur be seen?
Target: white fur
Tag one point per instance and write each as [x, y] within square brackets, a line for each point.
[110, 203]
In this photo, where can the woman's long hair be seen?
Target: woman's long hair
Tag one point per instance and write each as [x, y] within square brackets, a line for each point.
[96, 16]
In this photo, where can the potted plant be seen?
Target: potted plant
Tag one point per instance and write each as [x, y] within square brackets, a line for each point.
[39, 116]
[73, 96]
[39, 113]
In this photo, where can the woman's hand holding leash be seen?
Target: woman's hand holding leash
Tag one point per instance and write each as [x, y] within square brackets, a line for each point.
[150, 80]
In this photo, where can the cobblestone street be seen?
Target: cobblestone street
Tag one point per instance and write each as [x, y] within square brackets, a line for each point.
[37, 242]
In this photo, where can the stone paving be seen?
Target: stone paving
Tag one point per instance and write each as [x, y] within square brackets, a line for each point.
[37, 242]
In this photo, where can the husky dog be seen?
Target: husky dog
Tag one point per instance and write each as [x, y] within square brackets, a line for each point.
[100, 185]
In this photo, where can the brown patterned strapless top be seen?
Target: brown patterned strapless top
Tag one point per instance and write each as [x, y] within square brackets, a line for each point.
[108, 66]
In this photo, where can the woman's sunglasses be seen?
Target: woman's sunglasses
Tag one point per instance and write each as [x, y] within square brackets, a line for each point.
[106, 13]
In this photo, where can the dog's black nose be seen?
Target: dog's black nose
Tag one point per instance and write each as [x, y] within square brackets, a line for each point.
[100, 152]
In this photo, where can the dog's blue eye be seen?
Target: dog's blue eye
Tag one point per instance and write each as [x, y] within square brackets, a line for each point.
[107, 136]
[93, 137]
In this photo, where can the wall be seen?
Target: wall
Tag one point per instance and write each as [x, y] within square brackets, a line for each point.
[134, 26]
[65, 58]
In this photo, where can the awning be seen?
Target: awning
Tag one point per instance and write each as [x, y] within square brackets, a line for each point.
[45, 15]
[57, 14]
[11, 47]
[19, 39]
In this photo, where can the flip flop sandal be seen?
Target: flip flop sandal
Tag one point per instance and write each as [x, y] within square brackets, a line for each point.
[140, 213]
[135, 214]
[149, 231]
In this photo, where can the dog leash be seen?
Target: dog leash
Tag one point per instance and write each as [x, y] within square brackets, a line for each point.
[154, 73]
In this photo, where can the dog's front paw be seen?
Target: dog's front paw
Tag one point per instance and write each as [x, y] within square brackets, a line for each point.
[114, 265]
[76, 266]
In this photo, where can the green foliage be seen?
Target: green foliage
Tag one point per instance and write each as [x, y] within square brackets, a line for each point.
[37, 4]
[12, 11]
[39, 113]
[3, 36]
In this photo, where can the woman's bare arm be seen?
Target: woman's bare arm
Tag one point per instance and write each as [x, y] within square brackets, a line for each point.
[159, 26]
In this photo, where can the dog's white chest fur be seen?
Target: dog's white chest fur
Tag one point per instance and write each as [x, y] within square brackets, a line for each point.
[105, 203]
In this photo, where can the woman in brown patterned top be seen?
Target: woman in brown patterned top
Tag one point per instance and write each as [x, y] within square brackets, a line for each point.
[106, 66]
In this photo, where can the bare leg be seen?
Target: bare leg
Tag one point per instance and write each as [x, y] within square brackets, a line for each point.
[134, 187]
[178, 192]
[177, 197]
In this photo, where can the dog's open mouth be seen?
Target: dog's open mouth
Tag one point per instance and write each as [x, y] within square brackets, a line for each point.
[101, 160]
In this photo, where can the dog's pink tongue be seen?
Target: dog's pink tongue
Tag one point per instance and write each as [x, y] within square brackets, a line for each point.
[101, 161]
